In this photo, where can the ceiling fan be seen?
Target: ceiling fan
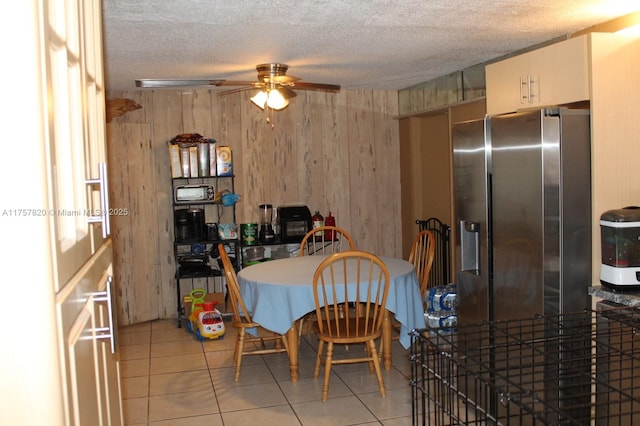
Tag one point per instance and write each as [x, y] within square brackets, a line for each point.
[274, 84]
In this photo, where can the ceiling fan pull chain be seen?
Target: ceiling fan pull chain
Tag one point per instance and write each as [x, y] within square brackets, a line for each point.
[270, 119]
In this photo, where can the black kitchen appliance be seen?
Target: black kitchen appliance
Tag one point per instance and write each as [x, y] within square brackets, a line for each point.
[189, 224]
[195, 265]
[295, 222]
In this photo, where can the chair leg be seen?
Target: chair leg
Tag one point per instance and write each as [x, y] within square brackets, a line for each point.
[301, 324]
[316, 370]
[237, 355]
[370, 355]
[327, 372]
[376, 365]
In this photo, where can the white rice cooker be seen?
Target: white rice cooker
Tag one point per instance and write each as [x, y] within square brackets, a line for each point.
[620, 242]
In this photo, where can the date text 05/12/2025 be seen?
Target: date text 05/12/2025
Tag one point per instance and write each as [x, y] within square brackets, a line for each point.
[26, 212]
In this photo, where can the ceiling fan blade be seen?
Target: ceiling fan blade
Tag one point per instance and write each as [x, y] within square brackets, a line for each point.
[230, 91]
[177, 83]
[301, 85]
[286, 92]
[252, 83]
[269, 75]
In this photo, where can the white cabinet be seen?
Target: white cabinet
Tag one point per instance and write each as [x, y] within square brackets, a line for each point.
[553, 75]
[76, 172]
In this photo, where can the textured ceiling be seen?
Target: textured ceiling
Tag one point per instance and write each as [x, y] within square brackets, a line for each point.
[368, 44]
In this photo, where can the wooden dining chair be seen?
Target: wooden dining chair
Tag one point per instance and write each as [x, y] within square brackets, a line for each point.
[326, 240]
[331, 239]
[421, 256]
[242, 321]
[362, 280]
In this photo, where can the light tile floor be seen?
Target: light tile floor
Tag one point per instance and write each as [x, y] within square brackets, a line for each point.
[171, 378]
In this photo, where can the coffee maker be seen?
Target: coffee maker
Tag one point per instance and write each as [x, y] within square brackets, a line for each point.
[266, 234]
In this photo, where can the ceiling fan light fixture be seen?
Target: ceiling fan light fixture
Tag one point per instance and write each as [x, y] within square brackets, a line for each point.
[260, 99]
[276, 101]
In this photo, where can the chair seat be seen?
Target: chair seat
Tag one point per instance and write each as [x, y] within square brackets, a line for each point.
[345, 331]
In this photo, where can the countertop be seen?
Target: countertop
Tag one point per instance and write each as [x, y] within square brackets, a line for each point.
[627, 298]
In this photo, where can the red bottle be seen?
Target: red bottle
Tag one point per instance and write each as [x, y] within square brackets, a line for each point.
[329, 221]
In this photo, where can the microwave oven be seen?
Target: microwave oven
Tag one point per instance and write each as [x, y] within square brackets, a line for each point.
[295, 222]
[187, 194]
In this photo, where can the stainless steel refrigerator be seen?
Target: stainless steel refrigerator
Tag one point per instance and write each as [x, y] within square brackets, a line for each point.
[523, 242]
[523, 212]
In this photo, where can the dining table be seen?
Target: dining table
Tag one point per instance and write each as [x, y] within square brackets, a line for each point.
[279, 292]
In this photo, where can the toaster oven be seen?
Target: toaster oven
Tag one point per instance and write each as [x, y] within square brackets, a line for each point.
[187, 194]
[295, 222]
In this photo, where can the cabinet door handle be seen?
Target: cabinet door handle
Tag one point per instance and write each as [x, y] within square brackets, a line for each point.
[522, 97]
[529, 94]
[108, 332]
[103, 214]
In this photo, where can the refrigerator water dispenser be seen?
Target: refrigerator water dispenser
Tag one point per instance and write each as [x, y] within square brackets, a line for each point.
[620, 242]
[470, 247]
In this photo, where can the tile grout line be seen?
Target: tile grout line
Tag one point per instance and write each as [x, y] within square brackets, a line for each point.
[274, 374]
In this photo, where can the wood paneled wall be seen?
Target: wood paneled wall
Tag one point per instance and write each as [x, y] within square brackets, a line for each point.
[333, 152]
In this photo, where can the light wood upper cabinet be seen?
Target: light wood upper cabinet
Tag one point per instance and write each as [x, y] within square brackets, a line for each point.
[553, 75]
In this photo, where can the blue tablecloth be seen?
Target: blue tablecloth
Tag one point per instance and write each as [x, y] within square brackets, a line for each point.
[278, 292]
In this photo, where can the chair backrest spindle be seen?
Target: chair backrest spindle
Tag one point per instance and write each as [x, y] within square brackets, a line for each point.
[421, 256]
[325, 240]
[369, 278]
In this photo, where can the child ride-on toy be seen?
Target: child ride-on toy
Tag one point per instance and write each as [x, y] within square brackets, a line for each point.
[205, 320]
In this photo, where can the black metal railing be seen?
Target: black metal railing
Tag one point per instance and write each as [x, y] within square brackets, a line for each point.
[441, 269]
